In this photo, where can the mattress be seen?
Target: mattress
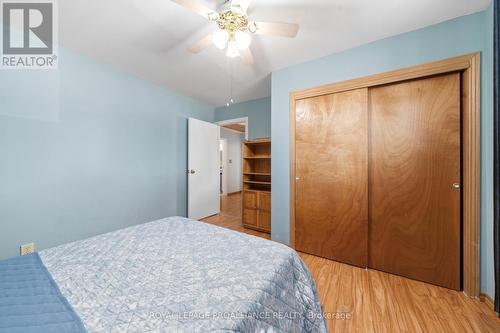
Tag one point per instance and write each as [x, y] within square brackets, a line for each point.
[180, 275]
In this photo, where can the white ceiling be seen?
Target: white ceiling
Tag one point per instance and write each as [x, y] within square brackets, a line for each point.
[150, 38]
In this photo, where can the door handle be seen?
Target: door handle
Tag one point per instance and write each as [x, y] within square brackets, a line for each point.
[191, 171]
[456, 185]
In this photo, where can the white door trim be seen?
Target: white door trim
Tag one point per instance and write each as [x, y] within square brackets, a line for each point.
[235, 121]
[224, 166]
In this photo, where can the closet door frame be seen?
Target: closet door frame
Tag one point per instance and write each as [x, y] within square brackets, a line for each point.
[469, 67]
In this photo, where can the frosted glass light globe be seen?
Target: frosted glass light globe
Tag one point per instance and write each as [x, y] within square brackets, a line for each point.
[242, 39]
[220, 39]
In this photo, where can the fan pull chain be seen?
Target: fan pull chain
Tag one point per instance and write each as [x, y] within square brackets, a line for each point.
[231, 100]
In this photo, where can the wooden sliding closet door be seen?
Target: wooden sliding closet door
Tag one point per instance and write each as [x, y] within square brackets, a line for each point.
[332, 176]
[415, 179]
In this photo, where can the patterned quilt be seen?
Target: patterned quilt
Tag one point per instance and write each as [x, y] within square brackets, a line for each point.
[180, 275]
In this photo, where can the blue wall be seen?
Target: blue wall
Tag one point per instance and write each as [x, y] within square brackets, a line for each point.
[86, 149]
[258, 112]
[452, 38]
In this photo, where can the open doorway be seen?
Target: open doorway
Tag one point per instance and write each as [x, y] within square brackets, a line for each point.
[232, 135]
[231, 139]
[238, 124]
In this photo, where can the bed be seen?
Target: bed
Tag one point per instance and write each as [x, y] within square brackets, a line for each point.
[180, 275]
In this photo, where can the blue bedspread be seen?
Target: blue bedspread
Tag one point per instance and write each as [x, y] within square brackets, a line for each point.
[180, 275]
[30, 300]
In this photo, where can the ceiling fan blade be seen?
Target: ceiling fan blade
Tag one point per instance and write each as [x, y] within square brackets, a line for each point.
[201, 44]
[246, 56]
[240, 6]
[198, 8]
[274, 29]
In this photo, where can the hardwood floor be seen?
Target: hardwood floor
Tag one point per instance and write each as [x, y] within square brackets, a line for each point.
[374, 301]
[230, 216]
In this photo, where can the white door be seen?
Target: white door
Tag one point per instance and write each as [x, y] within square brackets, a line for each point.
[203, 169]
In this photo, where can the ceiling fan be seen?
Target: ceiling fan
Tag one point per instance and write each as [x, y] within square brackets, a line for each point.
[234, 27]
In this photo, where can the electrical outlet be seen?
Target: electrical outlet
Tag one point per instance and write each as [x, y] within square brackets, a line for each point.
[27, 249]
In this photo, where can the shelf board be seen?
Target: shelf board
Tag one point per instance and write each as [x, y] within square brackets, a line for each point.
[257, 157]
[258, 142]
[257, 190]
[256, 182]
[257, 173]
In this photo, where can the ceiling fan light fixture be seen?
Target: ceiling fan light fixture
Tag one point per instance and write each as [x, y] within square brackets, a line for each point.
[243, 40]
[232, 49]
[234, 28]
[220, 39]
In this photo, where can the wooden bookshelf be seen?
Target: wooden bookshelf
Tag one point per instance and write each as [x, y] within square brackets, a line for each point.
[256, 199]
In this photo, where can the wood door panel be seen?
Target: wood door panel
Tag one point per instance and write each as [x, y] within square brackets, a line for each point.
[250, 199]
[250, 217]
[332, 169]
[265, 201]
[415, 159]
[264, 220]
